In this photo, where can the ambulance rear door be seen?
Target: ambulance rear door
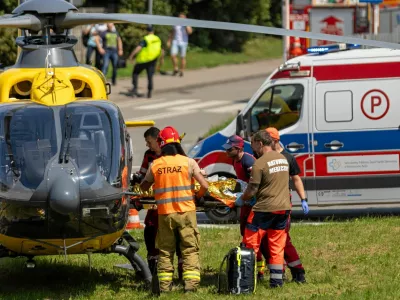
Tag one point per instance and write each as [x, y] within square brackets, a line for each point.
[356, 137]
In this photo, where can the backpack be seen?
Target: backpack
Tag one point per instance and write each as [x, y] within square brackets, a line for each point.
[240, 272]
[85, 39]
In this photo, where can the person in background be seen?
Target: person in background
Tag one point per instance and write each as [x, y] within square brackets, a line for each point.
[146, 53]
[110, 46]
[178, 42]
[94, 31]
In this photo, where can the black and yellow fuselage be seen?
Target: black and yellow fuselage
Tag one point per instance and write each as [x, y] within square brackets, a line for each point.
[65, 160]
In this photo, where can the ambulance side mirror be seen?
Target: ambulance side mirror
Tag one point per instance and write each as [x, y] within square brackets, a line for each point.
[240, 130]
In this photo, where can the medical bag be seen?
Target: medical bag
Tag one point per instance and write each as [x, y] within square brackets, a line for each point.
[240, 273]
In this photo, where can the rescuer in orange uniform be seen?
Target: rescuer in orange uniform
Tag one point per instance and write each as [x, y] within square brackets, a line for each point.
[269, 183]
[173, 176]
[290, 253]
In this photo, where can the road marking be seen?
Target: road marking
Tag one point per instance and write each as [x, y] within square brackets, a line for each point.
[226, 108]
[168, 104]
[163, 115]
[134, 102]
[201, 105]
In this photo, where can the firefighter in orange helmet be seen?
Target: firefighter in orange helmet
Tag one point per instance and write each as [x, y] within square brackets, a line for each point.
[173, 176]
[296, 48]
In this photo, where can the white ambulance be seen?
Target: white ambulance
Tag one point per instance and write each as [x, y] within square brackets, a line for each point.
[338, 111]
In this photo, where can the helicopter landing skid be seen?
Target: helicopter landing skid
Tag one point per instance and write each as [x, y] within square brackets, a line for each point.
[129, 250]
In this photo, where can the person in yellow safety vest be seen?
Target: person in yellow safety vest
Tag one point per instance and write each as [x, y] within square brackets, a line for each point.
[146, 53]
[173, 176]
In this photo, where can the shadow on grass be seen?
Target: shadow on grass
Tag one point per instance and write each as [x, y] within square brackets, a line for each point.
[56, 280]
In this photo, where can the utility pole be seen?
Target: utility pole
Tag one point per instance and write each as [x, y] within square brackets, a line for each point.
[19, 30]
[285, 25]
[150, 7]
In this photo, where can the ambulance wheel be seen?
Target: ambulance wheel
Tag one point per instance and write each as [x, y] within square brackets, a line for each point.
[223, 215]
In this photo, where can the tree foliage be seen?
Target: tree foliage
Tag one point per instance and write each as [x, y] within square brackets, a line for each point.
[8, 49]
[132, 34]
[256, 12]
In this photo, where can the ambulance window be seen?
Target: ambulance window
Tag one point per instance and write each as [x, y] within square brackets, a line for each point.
[279, 107]
[339, 106]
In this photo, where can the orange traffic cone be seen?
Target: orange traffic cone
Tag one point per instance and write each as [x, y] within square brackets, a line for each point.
[133, 220]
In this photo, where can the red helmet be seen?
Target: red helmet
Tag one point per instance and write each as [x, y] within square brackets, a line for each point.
[168, 135]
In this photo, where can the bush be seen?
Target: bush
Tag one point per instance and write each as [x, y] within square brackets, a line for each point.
[8, 48]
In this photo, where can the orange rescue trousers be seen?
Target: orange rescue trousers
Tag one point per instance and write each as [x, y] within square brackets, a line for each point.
[271, 225]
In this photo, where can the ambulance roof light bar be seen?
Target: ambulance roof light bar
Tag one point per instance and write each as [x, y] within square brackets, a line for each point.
[332, 48]
[289, 66]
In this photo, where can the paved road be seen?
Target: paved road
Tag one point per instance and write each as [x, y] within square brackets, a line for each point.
[192, 111]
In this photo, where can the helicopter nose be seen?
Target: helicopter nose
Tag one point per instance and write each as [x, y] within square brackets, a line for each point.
[64, 195]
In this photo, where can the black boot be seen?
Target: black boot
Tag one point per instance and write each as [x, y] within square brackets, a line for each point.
[298, 275]
[152, 265]
[149, 94]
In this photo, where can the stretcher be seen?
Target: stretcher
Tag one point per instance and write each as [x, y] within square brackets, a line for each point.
[221, 193]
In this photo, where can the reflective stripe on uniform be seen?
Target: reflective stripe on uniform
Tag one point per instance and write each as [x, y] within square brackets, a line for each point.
[174, 200]
[294, 263]
[165, 276]
[276, 276]
[173, 189]
[191, 275]
[275, 267]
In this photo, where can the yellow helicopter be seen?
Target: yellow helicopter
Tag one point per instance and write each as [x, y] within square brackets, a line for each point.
[65, 150]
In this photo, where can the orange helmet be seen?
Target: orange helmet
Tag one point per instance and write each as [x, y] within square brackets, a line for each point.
[168, 135]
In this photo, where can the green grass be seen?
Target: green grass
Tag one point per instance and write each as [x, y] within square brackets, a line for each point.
[216, 128]
[256, 49]
[354, 259]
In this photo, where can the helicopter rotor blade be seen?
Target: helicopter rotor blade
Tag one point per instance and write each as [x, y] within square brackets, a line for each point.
[22, 22]
[74, 19]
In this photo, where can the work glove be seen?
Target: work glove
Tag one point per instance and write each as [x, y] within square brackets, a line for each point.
[136, 178]
[304, 205]
[199, 201]
[137, 205]
[239, 201]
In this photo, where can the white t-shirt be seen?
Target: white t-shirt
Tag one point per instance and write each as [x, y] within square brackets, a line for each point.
[99, 28]
[180, 34]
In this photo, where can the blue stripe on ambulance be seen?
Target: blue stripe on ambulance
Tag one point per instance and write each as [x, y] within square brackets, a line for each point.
[366, 140]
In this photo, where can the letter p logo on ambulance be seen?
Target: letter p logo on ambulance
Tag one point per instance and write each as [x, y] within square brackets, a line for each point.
[375, 104]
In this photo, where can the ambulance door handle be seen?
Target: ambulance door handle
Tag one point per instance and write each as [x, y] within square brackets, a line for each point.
[334, 145]
[293, 147]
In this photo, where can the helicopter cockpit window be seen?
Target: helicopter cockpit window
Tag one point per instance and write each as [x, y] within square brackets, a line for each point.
[91, 143]
[279, 107]
[29, 141]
